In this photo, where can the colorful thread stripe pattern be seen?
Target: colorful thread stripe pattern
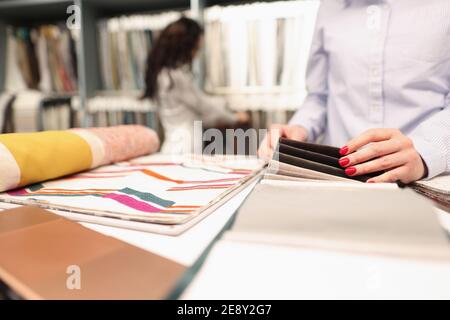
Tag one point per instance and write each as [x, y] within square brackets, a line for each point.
[148, 197]
[132, 203]
[202, 187]
[124, 196]
[122, 188]
[165, 178]
[124, 173]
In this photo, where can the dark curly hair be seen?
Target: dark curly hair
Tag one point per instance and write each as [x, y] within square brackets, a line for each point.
[173, 48]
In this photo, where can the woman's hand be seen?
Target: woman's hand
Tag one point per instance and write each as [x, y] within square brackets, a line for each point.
[386, 150]
[276, 131]
[242, 117]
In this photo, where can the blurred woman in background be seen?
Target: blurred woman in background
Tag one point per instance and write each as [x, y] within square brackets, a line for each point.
[170, 83]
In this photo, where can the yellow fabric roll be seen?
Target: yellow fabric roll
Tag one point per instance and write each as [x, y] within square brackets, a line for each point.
[47, 155]
[27, 158]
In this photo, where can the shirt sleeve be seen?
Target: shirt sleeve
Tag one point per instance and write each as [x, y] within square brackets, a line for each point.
[211, 109]
[312, 115]
[432, 140]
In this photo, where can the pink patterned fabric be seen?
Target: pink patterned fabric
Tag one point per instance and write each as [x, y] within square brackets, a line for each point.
[126, 142]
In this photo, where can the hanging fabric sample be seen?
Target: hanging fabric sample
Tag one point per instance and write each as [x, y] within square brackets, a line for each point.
[117, 109]
[163, 194]
[25, 110]
[6, 101]
[33, 110]
[56, 114]
[41, 58]
[256, 54]
[27, 158]
[14, 80]
[124, 44]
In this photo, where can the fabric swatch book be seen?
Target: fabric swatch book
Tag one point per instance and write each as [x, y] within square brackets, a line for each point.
[437, 189]
[156, 193]
[309, 161]
[301, 161]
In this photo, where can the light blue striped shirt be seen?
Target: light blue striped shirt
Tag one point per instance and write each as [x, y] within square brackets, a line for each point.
[381, 64]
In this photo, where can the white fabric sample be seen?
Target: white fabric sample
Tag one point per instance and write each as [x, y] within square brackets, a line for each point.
[14, 80]
[26, 110]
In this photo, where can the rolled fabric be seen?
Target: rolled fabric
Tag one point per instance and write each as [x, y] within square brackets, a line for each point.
[119, 143]
[27, 158]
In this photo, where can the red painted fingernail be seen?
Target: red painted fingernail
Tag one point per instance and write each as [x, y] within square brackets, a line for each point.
[343, 151]
[370, 181]
[350, 171]
[344, 161]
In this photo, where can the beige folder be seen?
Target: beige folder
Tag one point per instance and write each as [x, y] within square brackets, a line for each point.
[357, 218]
[45, 256]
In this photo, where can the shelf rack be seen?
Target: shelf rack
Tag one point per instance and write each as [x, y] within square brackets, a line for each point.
[31, 12]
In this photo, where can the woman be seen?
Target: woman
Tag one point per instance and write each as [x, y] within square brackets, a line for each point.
[170, 82]
[378, 85]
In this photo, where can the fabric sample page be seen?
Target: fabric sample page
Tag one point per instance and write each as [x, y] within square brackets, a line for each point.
[151, 189]
[437, 189]
[360, 219]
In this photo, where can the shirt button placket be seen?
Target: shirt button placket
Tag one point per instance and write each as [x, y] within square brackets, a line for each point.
[377, 20]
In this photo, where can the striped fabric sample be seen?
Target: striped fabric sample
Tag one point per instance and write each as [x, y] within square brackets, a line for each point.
[157, 188]
[28, 158]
